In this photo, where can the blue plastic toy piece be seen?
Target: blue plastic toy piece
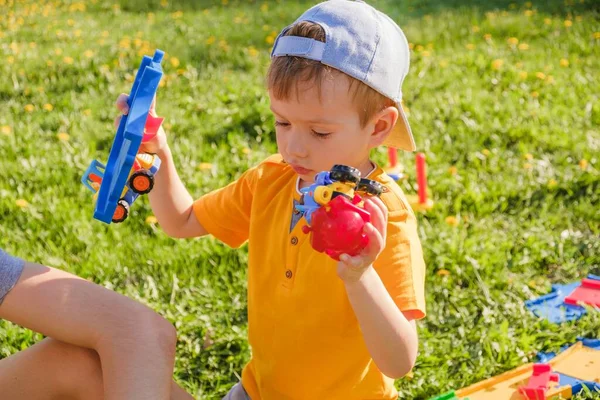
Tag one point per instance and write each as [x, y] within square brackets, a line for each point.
[96, 169]
[577, 385]
[128, 138]
[552, 306]
[310, 205]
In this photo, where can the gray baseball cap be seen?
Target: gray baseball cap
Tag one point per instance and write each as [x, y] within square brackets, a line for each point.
[363, 43]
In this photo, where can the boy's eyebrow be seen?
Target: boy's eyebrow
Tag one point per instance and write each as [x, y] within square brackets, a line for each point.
[323, 121]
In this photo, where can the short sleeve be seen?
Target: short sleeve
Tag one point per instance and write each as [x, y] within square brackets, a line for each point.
[225, 213]
[401, 266]
[10, 271]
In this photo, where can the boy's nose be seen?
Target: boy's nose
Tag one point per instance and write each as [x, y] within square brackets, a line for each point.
[296, 146]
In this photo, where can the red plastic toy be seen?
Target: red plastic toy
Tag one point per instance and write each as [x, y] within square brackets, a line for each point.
[538, 383]
[588, 293]
[337, 228]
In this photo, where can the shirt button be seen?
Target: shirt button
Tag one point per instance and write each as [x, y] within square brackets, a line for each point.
[294, 240]
[288, 274]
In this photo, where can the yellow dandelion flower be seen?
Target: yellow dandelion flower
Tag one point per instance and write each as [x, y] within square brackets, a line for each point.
[105, 34]
[210, 40]
[497, 64]
[426, 53]
[252, 52]
[443, 63]
[487, 36]
[174, 61]
[419, 48]
[10, 59]
[270, 39]
[513, 41]
[29, 108]
[68, 60]
[475, 28]
[88, 53]
[596, 35]
[485, 152]
[523, 74]
[205, 166]
[552, 183]
[564, 62]
[22, 203]
[550, 79]
[583, 164]
[568, 23]
[527, 166]
[49, 63]
[87, 112]
[523, 46]
[540, 75]
[528, 13]
[411, 46]
[177, 14]
[225, 2]
[535, 94]
[547, 21]
[443, 272]
[6, 130]
[246, 150]
[528, 156]
[164, 3]
[62, 136]
[453, 170]
[264, 7]
[470, 46]
[451, 220]
[48, 107]
[151, 220]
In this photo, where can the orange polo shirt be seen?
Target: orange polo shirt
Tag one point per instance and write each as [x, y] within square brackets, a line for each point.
[306, 341]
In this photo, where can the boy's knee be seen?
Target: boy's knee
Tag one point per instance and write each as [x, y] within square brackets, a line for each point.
[166, 335]
[78, 370]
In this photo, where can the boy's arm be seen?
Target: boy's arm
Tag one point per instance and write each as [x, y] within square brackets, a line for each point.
[136, 346]
[171, 202]
[390, 334]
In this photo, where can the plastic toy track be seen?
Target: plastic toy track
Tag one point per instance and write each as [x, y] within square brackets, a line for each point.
[142, 181]
[121, 212]
[370, 187]
[343, 173]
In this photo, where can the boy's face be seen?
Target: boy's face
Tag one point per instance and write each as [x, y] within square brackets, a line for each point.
[314, 135]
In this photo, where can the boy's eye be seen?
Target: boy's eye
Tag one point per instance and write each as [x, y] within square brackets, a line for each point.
[321, 135]
[278, 123]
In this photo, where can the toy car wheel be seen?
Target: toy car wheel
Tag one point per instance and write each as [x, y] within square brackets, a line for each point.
[121, 212]
[323, 195]
[370, 187]
[141, 182]
[343, 173]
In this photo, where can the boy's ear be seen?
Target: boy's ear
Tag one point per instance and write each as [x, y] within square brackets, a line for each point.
[383, 122]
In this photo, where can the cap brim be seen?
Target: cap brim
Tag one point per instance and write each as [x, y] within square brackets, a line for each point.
[401, 136]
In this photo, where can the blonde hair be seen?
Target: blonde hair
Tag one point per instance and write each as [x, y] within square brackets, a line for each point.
[286, 73]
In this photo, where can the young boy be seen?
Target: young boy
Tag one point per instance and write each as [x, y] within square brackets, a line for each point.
[319, 329]
[102, 346]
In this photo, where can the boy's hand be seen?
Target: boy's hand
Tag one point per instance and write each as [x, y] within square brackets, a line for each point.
[350, 269]
[155, 145]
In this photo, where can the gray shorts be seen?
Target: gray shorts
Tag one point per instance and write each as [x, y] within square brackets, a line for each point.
[10, 271]
[237, 392]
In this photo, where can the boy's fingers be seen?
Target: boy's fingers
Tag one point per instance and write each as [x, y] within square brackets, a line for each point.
[379, 203]
[121, 103]
[377, 216]
[375, 238]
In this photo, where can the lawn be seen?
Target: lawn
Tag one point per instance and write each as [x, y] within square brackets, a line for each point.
[503, 99]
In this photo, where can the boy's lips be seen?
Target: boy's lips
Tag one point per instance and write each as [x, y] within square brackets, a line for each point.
[300, 170]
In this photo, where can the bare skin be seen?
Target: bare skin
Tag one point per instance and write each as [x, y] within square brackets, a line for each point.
[101, 345]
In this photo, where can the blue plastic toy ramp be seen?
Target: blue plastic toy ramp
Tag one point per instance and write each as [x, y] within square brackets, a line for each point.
[128, 138]
[552, 306]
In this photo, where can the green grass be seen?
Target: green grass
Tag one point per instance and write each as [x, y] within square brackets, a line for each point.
[511, 135]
